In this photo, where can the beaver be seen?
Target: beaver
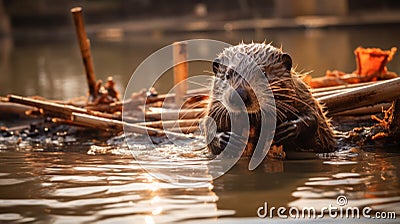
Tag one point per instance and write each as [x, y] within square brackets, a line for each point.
[301, 123]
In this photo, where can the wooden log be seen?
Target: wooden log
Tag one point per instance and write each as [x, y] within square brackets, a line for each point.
[56, 109]
[84, 45]
[365, 110]
[180, 71]
[109, 108]
[171, 123]
[117, 126]
[328, 93]
[321, 92]
[332, 88]
[168, 97]
[185, 130]
[178, 114]
[384, 91]
[10, 110]
[338, 80]
[351, 119]
[59, 109]
[68, 122]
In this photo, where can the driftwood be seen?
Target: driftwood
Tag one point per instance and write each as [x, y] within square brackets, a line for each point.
[116, 126]
[384, 91]
[176, 114]
[55, 109]
[342, 87]
[171, 123]
[84, 45]
[374, 109]
[327, 92]
[185, 130]
[185, 125]
[110, 108]
[171, 96]
[69, 114]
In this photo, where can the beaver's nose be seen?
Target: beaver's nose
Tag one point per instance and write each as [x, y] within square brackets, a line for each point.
[239, 97]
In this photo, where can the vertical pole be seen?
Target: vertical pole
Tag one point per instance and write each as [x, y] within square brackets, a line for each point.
[181, 70]
[84, 45]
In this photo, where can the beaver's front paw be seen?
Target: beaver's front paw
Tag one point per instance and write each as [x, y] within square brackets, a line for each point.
[221, 140]
[304, 128]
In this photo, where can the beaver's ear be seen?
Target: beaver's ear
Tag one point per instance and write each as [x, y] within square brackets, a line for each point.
[216, 64]
[286, 61]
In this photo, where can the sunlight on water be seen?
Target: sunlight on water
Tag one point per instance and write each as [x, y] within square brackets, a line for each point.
[105, 184]
[372, 182]
[113, 190]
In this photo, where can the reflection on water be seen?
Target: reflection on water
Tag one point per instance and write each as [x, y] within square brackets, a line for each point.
[371, 180]
[54, 69]
[65, 186]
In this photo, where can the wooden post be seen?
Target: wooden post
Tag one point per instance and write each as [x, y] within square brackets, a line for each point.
[84, 45]
[181, 70]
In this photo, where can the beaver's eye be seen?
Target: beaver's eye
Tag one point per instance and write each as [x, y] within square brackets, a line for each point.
[286, 61]
[229, 74]
[216, 65]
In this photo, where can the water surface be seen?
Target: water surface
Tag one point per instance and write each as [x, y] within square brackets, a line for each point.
[65, 186]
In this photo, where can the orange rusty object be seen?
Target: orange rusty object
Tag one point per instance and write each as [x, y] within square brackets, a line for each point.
[371, 66]
[372, 62]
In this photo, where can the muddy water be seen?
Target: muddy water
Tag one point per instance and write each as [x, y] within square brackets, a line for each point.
[65, 186]
[74, 186]
[71, 185]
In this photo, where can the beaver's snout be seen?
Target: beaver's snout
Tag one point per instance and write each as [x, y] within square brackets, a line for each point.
[241, 99]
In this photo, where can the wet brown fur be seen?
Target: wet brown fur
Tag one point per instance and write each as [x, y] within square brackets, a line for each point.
[292, 96]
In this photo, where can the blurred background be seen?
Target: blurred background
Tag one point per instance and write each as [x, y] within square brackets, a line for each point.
[39, 54]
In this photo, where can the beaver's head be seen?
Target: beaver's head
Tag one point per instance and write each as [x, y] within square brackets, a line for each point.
[246, 75]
